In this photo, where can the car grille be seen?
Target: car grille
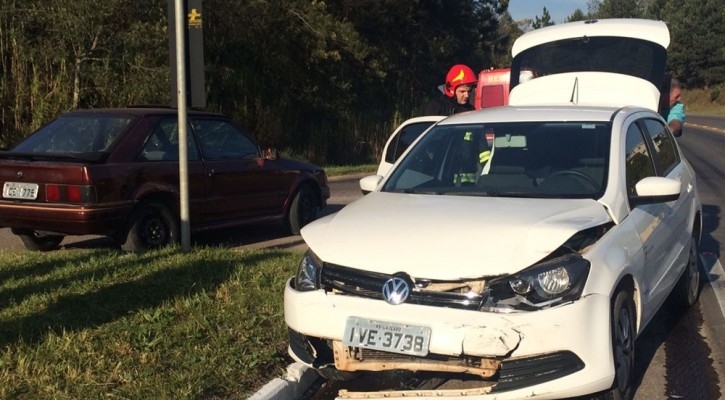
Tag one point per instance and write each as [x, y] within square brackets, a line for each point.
[353, 282]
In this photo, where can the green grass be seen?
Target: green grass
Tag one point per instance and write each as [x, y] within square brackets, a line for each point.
[704, 101]
[350, 169]
[91, 324]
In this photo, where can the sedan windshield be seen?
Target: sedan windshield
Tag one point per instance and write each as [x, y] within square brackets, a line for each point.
[527, 159]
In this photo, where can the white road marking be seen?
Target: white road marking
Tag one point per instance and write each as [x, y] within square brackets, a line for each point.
[716, 277]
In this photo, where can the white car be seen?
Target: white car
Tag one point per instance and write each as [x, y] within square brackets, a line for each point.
[402, 138]
[535, 278]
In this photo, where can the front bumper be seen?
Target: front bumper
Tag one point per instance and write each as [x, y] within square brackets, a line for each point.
[554, 353]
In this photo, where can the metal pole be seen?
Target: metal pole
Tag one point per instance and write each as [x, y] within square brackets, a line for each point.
[182, 117]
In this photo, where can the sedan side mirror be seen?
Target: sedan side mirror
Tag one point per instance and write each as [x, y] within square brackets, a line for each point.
[655, 189]
[369, 183]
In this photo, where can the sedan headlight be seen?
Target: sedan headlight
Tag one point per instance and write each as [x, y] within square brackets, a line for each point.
[308, 272]
[543, 285]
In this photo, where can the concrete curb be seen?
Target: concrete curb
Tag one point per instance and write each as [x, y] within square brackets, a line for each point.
[293, 385]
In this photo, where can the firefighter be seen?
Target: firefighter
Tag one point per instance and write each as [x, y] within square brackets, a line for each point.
[460, 81]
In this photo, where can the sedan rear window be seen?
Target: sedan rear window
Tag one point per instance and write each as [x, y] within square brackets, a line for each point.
[75, 134]
[532, 159]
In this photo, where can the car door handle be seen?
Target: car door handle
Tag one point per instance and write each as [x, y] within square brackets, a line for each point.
[689, 187]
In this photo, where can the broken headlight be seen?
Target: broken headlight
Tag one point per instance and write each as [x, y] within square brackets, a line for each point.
[543, 285]
[308, 273]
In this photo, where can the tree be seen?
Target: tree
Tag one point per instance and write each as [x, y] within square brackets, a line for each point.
[619, 9]
[696, 55]
[577, 15]
[545, 20]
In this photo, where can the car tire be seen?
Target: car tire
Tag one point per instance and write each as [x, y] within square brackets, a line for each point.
[687, 289]
[623, 333]
[303, 209]
[151, 226]
[36, 242]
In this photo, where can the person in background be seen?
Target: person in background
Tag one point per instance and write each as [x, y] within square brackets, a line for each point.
[675, 114]
[460, 81]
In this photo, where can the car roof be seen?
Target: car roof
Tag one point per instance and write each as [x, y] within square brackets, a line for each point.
[139, 111]
[539, 113]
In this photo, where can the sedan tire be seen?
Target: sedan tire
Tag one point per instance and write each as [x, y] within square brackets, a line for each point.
[623, 339]
[303, 209]
[687, 290]
[151, 226]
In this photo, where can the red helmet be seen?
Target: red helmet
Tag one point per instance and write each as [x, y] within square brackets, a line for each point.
[459, 74]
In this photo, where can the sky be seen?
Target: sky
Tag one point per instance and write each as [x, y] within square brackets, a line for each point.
[558, 9]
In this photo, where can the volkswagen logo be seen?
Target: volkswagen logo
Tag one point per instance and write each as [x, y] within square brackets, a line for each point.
[396, 290]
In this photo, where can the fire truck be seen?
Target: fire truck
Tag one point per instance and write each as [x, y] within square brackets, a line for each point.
[492, 89]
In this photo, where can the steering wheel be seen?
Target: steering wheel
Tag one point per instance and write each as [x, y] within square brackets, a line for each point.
[584, 177]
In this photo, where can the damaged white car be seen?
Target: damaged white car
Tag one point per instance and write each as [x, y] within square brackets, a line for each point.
[533, 273]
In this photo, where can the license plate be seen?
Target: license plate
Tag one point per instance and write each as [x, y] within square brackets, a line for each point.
[20, 190]
[387, 336]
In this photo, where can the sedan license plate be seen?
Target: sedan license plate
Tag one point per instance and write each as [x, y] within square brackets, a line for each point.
[20, 190]
[387, 336]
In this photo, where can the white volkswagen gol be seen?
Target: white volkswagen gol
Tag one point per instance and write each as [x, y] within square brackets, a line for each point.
[534, 277]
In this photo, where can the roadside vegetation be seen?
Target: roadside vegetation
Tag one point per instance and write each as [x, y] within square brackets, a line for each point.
[91, 324]
[325, 81]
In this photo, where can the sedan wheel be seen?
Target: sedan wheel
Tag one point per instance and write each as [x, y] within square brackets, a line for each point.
[151, 226]
[687, 290]
[623, 338]
[303, 209]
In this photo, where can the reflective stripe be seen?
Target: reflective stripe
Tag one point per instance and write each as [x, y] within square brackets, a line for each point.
[484, 156]
[464, 177]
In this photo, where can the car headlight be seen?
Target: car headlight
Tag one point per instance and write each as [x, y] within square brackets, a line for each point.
[543, 285]
[308, 272]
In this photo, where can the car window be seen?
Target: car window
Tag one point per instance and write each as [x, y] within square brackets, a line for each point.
[532, 159]
[222, 140]
[76, 134]
[665, 153]
[639, 163]
[163, 143]
[404, 138]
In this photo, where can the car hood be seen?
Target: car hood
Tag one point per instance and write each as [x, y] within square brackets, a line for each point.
[448, 237]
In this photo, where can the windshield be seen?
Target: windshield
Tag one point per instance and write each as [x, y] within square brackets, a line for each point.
[523, 159]
[76, 134]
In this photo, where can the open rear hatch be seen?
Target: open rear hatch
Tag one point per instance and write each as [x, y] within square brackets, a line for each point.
[615, 62]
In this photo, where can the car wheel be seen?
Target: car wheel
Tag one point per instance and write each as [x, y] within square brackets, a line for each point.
[34, 241]
[687, 289]
[303, 209]
[151, 226]
[623, 338]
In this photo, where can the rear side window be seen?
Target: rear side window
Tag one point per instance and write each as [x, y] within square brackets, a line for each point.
[404, 138]
[666, 156]
[163, 143]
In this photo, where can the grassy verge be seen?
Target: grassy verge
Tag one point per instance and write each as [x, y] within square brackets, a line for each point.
[91, 324]
[350, 169]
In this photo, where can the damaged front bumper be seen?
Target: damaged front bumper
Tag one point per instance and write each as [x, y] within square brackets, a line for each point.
[559, 352]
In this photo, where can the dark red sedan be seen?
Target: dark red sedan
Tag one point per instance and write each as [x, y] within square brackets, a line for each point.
[115, 172]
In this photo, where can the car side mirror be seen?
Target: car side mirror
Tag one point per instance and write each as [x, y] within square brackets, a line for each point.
[369, 183]
[655, 189]
[270, 153]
